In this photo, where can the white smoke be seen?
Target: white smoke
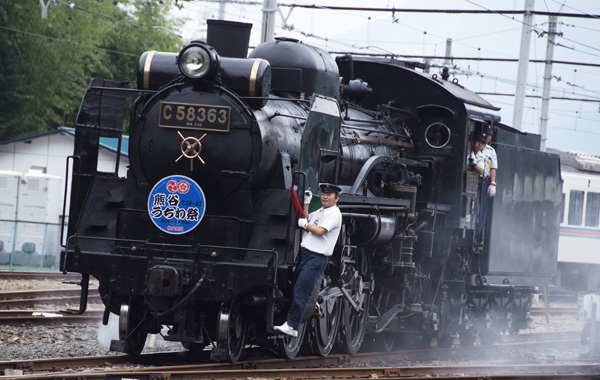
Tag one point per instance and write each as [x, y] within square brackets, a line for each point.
[109, 332]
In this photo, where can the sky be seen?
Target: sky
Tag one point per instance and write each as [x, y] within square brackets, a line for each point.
[574, 121]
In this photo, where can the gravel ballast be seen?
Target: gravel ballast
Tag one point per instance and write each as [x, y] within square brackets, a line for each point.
[27, 342]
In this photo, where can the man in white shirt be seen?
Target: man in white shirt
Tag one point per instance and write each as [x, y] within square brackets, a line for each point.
[481, 163]
[491, 160]
[322, 228]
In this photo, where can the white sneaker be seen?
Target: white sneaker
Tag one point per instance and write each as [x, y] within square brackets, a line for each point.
[286, 329]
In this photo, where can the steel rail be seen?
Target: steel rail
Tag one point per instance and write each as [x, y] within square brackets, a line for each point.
[493, 372]
[186, 360]
[22, 275]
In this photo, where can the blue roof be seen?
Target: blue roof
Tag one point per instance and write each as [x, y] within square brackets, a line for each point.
[109, 143]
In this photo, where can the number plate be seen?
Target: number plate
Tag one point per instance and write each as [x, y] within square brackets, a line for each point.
[472, 182]
[202, 117]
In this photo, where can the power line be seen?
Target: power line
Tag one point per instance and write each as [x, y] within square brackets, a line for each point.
[67, 41]
[73, 6]
[394, 10]
[449, 11]
[76, 7]
[566, 6]
[510, 60]
[539, 97]
[425, 10]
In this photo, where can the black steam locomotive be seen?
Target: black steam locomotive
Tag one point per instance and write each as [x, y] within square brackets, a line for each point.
[200, 236]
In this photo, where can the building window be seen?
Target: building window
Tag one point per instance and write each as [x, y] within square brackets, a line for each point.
[575, 207]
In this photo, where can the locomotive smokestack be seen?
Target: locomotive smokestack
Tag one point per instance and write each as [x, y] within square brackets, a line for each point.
[229, 38]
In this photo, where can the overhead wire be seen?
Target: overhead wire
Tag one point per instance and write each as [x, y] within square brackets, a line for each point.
[345, 10]
[68, 41]
[564, 5]
[75, 7]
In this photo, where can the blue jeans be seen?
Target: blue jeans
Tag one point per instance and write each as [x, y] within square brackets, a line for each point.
[312, 265]
[482, 208]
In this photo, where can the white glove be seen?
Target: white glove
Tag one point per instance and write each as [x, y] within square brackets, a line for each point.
[491, 191]
[472, 158]
[307, 197]
[302, 223]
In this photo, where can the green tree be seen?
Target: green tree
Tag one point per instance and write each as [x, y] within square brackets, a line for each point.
[46, 64]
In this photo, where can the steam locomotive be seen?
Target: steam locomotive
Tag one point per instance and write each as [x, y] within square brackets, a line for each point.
[200, 236]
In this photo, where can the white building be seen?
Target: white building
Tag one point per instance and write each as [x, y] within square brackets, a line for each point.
[32, 188]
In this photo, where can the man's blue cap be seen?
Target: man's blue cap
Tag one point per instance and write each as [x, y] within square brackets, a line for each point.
[481, 136]
[487, 128]
[329, 188]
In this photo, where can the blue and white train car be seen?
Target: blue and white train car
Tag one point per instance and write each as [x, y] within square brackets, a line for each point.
[579, 242]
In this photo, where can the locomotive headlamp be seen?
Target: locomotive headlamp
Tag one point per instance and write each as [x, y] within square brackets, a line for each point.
[198, 60]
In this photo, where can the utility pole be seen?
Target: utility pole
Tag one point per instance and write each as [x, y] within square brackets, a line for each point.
[547, 80]
[221, 10]
[45, 8]
[268, 25]
[448, 58]
[523, 64]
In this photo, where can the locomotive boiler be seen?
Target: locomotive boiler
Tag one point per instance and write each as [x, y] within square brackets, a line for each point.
[200, 235]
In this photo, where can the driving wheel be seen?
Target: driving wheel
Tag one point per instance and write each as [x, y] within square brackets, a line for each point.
[354, 324]
[231, 330]
[131, 329]
[386, 340]
[289, 346]
[324, 327]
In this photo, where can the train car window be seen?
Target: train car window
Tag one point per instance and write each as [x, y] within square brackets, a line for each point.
[471, 126]
[575, 207]
[592, 209]
[474, 125]
[562, 210]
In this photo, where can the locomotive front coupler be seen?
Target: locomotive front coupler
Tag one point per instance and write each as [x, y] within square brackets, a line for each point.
[163, 281]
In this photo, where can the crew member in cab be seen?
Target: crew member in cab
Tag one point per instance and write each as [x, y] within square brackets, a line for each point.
[481, 164]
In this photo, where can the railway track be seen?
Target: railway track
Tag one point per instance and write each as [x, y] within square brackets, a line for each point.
[184, 365]
[23, 306]
[47, 317]
[32, 298]
[23, 275]
[585, 371]
[554, 310]
[256, 356]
